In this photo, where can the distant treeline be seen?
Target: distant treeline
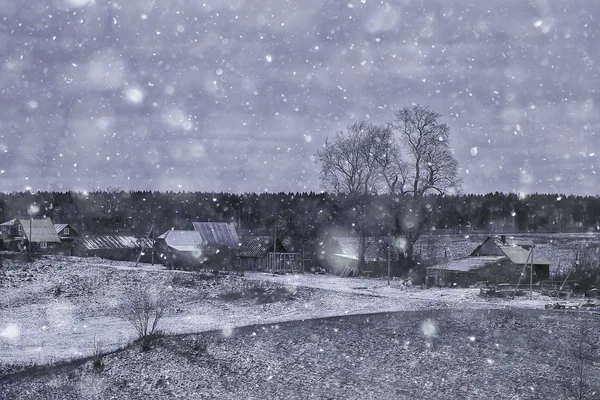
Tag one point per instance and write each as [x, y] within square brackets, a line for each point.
[300, 215]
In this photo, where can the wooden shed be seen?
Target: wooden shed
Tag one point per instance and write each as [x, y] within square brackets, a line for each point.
[180, 249]
[253, 254]
[495, 261]
[113, 247]
[220, 243]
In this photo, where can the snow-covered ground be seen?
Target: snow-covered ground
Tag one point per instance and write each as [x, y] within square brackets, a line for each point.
[55, 308]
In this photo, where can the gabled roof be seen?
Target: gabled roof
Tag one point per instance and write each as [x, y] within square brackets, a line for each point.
[217, 234]
[468, 263]
[42, 230]
[516, 254]
[106, 242]
[182, 240]
[257, 246]
[60, 227]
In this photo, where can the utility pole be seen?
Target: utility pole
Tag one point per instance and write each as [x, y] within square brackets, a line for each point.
[531, 275]
[389, 257]
[274, 248]
[153, 244]
[30, 230]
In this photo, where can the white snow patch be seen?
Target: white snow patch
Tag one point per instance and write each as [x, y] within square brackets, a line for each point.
[11, 332]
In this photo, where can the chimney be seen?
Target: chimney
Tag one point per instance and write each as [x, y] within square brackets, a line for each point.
[503, 239]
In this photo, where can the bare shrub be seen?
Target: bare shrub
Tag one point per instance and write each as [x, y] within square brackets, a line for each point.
[143, 310]
[583, 357]
[97, 361]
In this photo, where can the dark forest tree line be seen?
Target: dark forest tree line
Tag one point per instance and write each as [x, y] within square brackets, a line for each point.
[304, 215]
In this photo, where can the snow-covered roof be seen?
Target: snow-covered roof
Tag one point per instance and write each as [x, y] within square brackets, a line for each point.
[217, 233]
[376, 248]
[517, 254]
[42, 230]
[182, 240]
[468, 263]
[9, 223]
[519, 241]
[346, 256]
[97, 242]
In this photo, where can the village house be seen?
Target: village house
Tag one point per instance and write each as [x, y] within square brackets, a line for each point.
[254, 253]
[113, 247]
[220, 243]
[35, 234]
[496, 261]
[67, 234]
[180, 249]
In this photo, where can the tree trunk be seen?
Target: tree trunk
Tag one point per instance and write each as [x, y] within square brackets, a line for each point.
[362, 249]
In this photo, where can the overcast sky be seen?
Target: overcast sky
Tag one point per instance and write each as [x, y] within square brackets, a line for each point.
[238, 95]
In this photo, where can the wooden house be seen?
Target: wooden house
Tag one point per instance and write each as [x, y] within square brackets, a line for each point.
[66, 233]
[113, 247]
[180, 249]
[254, 251]
[496, 261]
[220, 243]
[21, 234]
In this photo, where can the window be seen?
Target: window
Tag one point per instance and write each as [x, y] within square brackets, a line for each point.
[66, 231]
[43, 245]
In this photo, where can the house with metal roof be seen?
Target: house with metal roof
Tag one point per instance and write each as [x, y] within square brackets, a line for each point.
[180, 249]
[113, 247]
[35, 234]
[220, 243]
[496, 261]
[218, 234]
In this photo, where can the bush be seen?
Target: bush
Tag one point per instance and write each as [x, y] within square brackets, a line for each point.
[143, 311]
[97, 361]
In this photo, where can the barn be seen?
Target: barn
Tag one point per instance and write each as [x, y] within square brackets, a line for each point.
[220, 243]
[253, 254]
[113, 247]
[180, 249]
[496, 260]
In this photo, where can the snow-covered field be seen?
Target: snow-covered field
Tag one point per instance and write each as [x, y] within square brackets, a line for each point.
[55, 308]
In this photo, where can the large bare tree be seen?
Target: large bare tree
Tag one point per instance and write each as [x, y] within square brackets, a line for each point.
[350, 166]
[421, 164]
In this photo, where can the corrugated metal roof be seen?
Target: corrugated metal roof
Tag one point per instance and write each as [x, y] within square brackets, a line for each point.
[468, 263]
[256, 247]
[217, 233]
[42, 230]
[182, 240]
[106, 242]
